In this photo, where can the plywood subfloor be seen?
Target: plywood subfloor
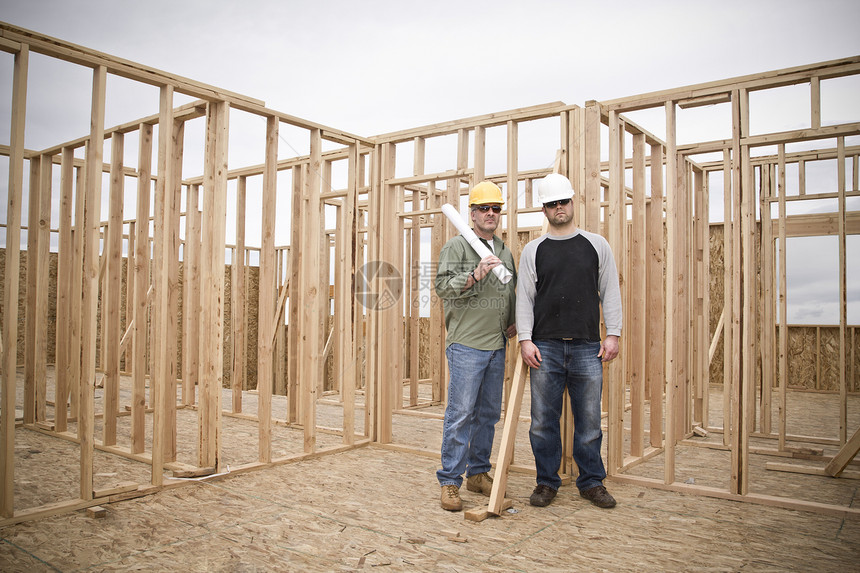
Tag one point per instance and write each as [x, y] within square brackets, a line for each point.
[371, 507]
[374, 507]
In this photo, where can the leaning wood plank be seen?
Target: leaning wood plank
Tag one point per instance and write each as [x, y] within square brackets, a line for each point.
[509, 436]
[845, 454]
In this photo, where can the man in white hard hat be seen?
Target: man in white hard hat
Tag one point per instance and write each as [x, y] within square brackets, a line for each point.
[566, 275]
[479, 318]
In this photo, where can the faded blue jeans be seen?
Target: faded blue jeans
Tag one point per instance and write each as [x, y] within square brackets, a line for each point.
[474, 408]
[571, 365]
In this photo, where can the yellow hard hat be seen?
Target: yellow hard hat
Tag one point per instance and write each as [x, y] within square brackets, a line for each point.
[485, 192]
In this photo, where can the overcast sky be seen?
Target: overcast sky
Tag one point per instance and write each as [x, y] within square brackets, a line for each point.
[375, 66]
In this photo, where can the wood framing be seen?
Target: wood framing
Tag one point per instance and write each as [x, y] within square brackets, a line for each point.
[321, 322]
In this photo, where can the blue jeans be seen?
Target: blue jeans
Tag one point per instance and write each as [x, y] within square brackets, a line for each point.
[474, 407]
[571, 365]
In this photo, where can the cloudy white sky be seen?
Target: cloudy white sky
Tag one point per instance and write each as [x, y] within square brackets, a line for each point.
[374, 66]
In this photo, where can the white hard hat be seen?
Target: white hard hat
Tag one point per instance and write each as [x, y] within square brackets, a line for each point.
[554, 187]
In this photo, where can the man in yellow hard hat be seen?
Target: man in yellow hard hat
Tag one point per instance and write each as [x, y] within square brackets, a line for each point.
[479, 318]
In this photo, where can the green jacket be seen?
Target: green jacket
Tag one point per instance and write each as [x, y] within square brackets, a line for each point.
[478, 316]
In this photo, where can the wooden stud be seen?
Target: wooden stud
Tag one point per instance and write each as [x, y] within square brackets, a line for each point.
[31, 321]
[65, 260]
[415, 274]
[239, 296]
[843, 292]
[737, 298]
[141, 287]
[268, 291]
[748, 331]
[348, 367]
[672, 243]
[128, 325]
[91, 229]
[437, 325]
[592, 167]
[728, 295]
[513, 239]
[705, 281]
[701, 327]
[42, 271]
[191, 297]
[617, 222]
[768, 299]
[113, 252]
[815, 101]
[313, 295]
[782, 369]
[295, 282]
[161, 306]
[637, 309]
[11, 278]
[656, 296]
[212, 286]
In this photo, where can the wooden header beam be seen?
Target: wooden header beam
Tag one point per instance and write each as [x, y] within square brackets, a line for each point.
[488, 120]
[716, 91]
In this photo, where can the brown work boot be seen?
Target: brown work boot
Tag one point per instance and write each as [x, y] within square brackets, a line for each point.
[542, 496]
[451, 498]
[480, 483]
[599, 497]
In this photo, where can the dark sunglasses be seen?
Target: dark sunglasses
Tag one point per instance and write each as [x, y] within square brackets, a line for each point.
[552, 204]
[485, 208]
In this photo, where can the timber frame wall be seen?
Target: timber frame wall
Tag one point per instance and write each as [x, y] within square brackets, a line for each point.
[650, 198]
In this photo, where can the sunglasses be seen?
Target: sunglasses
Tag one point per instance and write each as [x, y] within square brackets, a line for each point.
[486, 208]
[553, 204]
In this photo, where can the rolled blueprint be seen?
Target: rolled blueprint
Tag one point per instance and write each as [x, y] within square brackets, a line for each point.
[501, 271]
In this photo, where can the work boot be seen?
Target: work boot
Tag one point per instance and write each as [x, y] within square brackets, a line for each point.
[599, 497]
[542, 496]
[480, 483]
[451, 498]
